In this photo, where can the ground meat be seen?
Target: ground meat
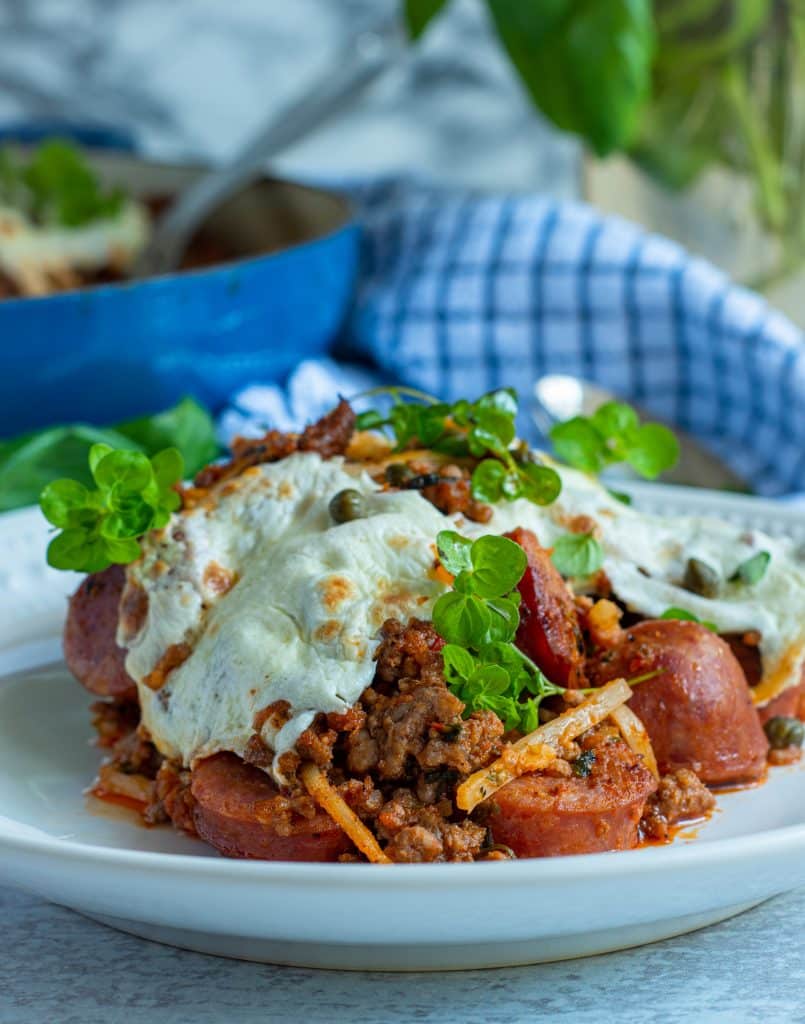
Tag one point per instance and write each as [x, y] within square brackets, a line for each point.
[113, 719]
[452, 493]
[173, 798]
[331, 434]
[406, 652]
[135, 754]
[680, 796]
[418, 832]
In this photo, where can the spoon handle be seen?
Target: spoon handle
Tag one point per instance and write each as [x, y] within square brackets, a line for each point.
[355, 68]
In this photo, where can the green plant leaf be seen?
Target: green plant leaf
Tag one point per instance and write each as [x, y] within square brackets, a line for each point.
[653, 449]
[682, 615]
[454, 551]
[460, 618]
[186, 426]
[585, 63]
[577, 554]
[487, 480]
[498, 565]
[420, 13]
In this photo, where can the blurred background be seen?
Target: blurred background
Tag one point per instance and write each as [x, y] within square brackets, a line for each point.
[192, 79]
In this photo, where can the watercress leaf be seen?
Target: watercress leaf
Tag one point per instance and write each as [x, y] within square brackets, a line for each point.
[652, 450]
[420, 13]
[577, 554]
[61, 499]
[752, 570]
[459, 664]
[685, 616]
[127, 469]
[513, 486]
[430, 426]
[498, 565]
[621, 496]
[504, 621]
[504, 400]
[615, 419]
[487, 480]
[122, 551]
[97, 453]
[464, 583]
[491, 422]
[77, 550]
[494, 679]
[168, 468]
[451, 443]
[461, 619]
[454, 551]
[370, 420]
[541, 484]
[460, 412]
[578, 443]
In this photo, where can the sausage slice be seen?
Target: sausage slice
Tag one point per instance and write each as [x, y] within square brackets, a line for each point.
[698, 711]
[90, 648]
[544, 816]
[239, 810]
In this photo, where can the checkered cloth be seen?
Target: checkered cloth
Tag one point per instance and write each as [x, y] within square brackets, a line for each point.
[461, 293]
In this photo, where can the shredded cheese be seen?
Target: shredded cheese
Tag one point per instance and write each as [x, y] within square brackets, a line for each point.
[634, 732]
[536, 750]
[342, 814]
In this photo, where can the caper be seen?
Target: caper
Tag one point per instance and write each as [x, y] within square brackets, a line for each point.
[398, 474]
[783, 731]
[347, 505]
[701, 578]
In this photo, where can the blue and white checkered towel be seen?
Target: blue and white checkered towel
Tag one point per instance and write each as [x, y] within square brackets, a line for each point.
[460, 293]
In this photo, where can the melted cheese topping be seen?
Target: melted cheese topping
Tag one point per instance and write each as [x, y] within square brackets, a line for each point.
[30, 253]
[268, 600]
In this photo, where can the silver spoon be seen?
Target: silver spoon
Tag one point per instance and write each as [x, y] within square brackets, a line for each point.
[558, 397]
[360, 62]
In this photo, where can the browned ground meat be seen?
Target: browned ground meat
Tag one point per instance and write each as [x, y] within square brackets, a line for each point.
[452, 494]
[174, 800]
[113, 719]
[329, 436]
[681, 796]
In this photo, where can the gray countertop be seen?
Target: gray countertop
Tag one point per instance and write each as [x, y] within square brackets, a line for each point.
[58, 968]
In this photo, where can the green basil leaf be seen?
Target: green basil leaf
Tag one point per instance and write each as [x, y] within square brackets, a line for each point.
[487, 481]
[461, 618]
[420, 13]
[752, 570]
[586, 63]
[653, 450]
[454, 551]
[186, 426]
[577, 554]
[498, 565]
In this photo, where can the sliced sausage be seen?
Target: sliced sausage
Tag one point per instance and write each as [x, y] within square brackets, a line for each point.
[698, 711]
[90, 648]
[543, 816]
[549, 630]
[238, 810]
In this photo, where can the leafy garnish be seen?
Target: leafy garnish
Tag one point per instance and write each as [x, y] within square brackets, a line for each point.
[57, 186]
[484, 429]
[479, 620]
[752, 570]
[577, 554]
[614, 434]
[101, 527]
[685, 616]
[30, 462]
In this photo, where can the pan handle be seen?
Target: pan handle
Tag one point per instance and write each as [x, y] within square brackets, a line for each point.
[367, 55]
[93, 136]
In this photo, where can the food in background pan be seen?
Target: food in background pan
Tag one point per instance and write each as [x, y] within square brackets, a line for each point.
[434, 646]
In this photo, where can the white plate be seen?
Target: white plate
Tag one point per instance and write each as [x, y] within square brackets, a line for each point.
[163, 886]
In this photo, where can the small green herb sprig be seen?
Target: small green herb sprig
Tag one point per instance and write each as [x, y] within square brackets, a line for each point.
[484, 429]
[681, 615]
[57, 186]
[479, 618]
[614, 434]
[101, 527]
[577, 554]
